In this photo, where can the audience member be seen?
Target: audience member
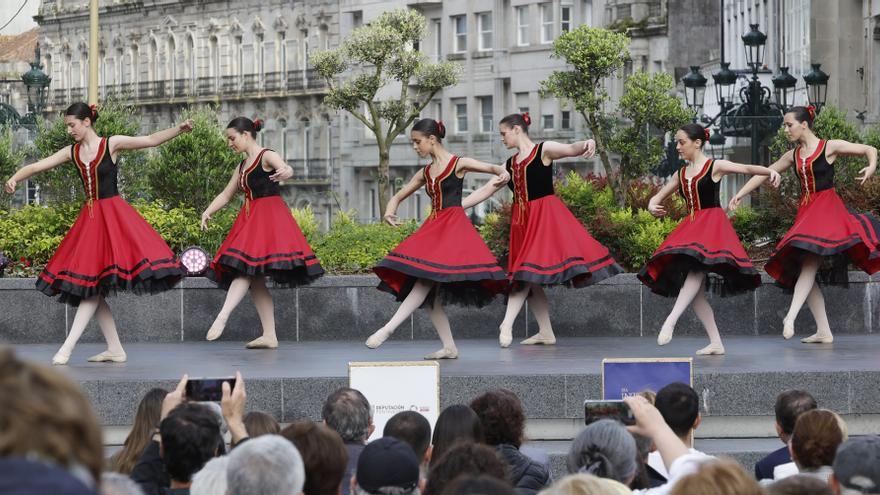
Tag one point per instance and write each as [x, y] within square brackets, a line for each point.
[323, 454]
[456, 423]
[857, 467]
[789, 405]
[385, 466]
[646, 476]
[464, 459]
[414, 429]
[259, 423]
[145, 420]
[799, 484]
[586, 484]
[479, 485]
[814, 442]
[119, 484]
[348, 412]
[211, 479]
[680, 406]
[268, 465]
[604, 449]
[717, 477]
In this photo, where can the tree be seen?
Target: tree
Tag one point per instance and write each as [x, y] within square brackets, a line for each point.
[380, 54]
[10, 159]
[594, 55]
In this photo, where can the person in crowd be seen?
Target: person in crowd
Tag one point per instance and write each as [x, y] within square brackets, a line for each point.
[118, 484]
[414, 429]
[457, 423]
[348, 412]
[857, 467]
[799, 484]
[387, 465]
[586, 484]
[479, 485]
[814, 442]
[259, 423]
[680, 406]
[145, 419]
[717, 477]
[211, 479]
[501, 413]
[268, 465]
[646, 476]
[465, 459]
[323, 454]
[604, 449]
[789, 405]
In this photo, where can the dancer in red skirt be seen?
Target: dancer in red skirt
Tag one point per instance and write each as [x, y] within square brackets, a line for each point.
[704, 246]
[826, 234]
[110, 246]
[445, 261]
[265, 240]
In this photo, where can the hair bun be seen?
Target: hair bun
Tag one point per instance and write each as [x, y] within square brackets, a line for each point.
[526, 118]
[94, 112]
[812, 111]
[258, 125]
[441, 129]
[706, 133]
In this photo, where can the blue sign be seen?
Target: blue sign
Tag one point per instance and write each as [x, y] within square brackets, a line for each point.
[625, 377]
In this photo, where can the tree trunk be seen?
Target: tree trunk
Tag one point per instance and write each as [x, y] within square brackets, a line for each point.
[613, 179]
[382, 180]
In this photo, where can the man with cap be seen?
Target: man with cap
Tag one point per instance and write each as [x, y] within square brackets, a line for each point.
[857, 467]
[387, 466]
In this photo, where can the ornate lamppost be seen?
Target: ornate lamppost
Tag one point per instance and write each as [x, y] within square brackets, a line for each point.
[37, 83]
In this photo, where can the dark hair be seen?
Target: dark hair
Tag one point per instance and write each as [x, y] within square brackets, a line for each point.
[521, 119]
[456, 423]
[431, 127]
[258, 423]
[348, 412]
[800, 484]
[804, 114]
[148, 414]
[696, 132]
[479, 485]
[680, 407]
[791, 404]
[190, 438]
[464, 459]
[815, 439]
[412, 428]
[502, 416]
[323, 453]
[244, 124]
[82, 111]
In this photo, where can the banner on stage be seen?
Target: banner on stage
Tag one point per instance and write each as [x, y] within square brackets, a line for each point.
[392, 387]
[623, 377]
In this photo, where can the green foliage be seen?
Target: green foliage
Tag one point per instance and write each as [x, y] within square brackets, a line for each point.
[10, 160]
[352, 247]
[191, 169]
[33, 232]
[305, 218]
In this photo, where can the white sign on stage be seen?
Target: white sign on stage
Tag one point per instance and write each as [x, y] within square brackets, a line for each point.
[397, 386]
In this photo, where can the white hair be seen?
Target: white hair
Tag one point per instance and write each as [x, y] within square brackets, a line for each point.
[119, 484]
[211, 480]
[268, 465]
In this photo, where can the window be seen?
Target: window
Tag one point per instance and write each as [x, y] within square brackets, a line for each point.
[438, 40]
[357, 19]
[459, 24]
[522, 102]
[546, 22]
[565, 121]
[461, 117]
[547, 121]
[588, 12]
[522, 26]
[484, 30]
[565, 19]
[486, 117]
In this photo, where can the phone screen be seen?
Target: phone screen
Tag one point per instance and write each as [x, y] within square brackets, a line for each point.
[207, 389]
[594, 410]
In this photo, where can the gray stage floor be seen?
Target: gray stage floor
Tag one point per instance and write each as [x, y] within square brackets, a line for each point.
[162, 361]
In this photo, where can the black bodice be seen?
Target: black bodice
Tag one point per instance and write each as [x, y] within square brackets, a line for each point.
[254, 181]
[814, 172]
[530, 179]
[99, 175]
[444, 189]
[700, 192]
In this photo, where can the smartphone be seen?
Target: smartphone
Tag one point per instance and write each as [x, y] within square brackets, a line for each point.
[594, 410]
[207, 389]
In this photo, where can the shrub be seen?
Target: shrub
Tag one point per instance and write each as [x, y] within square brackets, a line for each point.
[351, 247]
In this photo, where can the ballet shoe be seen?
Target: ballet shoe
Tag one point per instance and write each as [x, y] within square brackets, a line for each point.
[505, 337]
[445, 353]
[378, 338]
[711, 350]
[665, 335]
[787, 329]
[818, 338]
[262, 343]
[539, 339]
[60, 358]
[216, 329]
[108, 357]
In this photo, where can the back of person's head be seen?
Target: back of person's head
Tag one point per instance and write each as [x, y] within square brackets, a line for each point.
[387, 465]
[857, 466]
[258, 423]
[464, 459]
[501, 414]
[268, 465]
[119, 484]
[412, 428]
[211, 479]
[680, 407]
[585, 484]
[815, 438]
[190, 438]
[45, 415]
[717, 477]
[456, 423]
[148, 413]
[323, 453]
[604, 449]
[479, 485]
[800, 484]
[348, 412]
[791, 404]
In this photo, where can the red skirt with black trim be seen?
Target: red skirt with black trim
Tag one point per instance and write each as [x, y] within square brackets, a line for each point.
[549, 246]
[265, 240]
[705, 242]
[824, 225]
[109, 248]
[446, 249]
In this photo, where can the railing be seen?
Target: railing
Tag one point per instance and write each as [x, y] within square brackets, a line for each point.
[272, 81]
[76, 94]
[298, 80]
[249, 83]
[206, 86]
[315, 170]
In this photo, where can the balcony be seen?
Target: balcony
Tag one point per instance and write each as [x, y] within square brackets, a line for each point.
[273, 81]
[299, 80]
[206, 86]
[312, 171]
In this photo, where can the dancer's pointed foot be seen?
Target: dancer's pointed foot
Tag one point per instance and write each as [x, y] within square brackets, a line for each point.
[711, 350]
[262, 342]
[665, 335]
[540, 339]
[60, 358]
[378, 338]
[109, 357]
[818, 338]
[217, 328]
[505, 337]
[787, 329]
[445, 353]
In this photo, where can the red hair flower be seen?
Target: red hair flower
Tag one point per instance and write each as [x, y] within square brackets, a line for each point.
[706, 133]
[441, 128]
[94, 108]
[812, 111]
[258, 124]
[526, 118]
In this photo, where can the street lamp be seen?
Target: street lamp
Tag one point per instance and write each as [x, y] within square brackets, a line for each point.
[755, 42]
[716, 141]
[37, 83]
[783, 88]
[817, 86]
[725, 82]
[695, 90]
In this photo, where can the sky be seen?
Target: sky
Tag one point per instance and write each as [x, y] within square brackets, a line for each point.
[23, 21]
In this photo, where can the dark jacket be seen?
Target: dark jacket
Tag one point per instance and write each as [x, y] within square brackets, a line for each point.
[25, 477]
[150, 474]
[528, 477]
[764, 467]
[354, 453]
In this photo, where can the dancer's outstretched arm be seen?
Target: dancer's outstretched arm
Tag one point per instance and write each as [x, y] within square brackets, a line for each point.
[222, 199]
[119, 143]
[724, 167]
[283, 171]
[839, 147]
[654, 206]
[48, 163]
[483, 193]
[406, 191]
[780, 165]
[488, 189]
[554, 151]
